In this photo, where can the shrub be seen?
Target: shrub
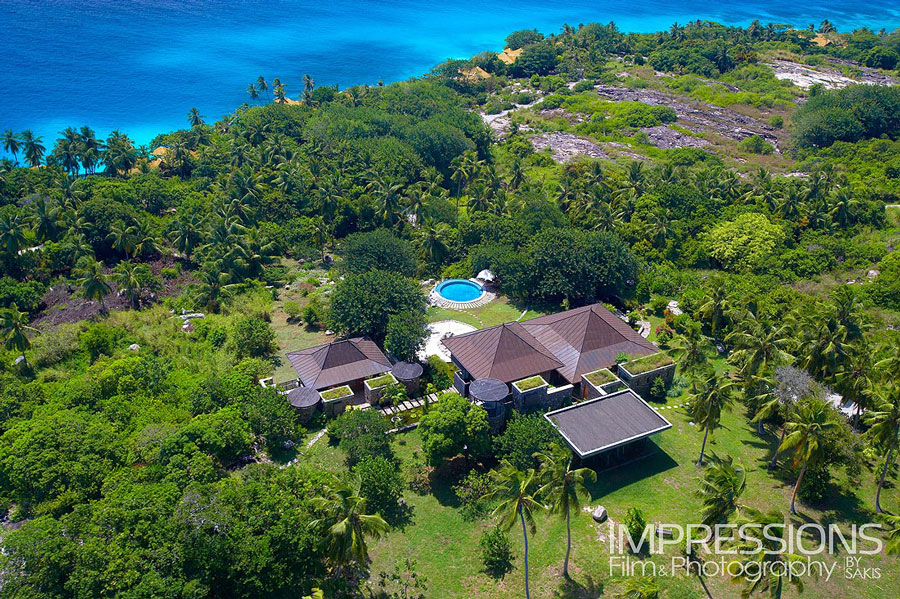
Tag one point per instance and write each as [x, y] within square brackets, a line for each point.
[635, 523]
[453, 426]
[292, 310]
[313, 314]
[777, 121]
[169, 273]
[98, 339]
[25, 295]
[583, 86]
[658, 389]
[380, 484]
[744, 243]
[756, 145]
[406, 335]
[440, 372]
[217, 336]
[363, 304]
[496, 553]
[816, 482]
[253, 337]
[523, 437]
[361, 433]
[522, 38]
[470, 491]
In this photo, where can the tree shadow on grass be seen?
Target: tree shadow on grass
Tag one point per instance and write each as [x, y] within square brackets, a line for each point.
[573, 589]
[620, 475]
[448, 475]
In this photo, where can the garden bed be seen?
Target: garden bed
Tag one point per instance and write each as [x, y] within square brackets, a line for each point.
[647, 363]
[530, 383]
[600, 377]
[336, 393]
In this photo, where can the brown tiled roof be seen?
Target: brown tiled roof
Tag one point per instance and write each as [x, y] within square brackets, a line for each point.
[339, 362]
[506, 352]
[601, 424]
[587, 338]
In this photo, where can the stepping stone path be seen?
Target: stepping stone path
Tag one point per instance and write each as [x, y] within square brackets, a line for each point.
[670, 407]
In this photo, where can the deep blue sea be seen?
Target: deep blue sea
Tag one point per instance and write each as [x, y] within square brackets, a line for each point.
[140, 65]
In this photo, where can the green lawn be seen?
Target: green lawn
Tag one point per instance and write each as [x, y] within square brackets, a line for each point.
[499, 311]
[291, 336]
[446, 546]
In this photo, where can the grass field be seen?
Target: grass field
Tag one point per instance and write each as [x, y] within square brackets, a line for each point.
[499, 311]
[446, 546]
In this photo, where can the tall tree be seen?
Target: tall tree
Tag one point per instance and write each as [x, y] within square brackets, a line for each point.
[194, 117]
[14, 328]
[564, 488]
[33, 148]
[721, 486]
[11, 143]
[348, 524]
[263, 86]
[515, 491]
[807, 429]
[713, 397]
[93, 282]
[884, 422]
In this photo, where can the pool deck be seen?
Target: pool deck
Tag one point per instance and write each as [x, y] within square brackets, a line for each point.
[436, 299]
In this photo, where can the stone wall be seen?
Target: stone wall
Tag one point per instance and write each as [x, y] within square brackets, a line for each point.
[641, 383]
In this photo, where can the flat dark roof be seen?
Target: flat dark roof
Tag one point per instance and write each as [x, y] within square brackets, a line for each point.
[595, 426]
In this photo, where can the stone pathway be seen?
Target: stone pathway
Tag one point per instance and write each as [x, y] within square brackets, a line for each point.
[670, 407]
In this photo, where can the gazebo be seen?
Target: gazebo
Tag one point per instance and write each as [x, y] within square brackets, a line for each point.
[305, 400]
[491, 394]
[408, 373]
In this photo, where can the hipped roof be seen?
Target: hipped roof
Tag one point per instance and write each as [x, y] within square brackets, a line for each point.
[338, 362]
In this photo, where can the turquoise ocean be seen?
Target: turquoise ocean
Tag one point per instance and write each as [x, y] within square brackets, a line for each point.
[140, 65]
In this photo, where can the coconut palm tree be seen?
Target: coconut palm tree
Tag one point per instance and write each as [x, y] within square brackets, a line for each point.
[432, 244]
[809, 424]
[263, 86]
[855, 378]
[715, 305]
[12, 235]
[13, 329]
[789, 386]
[766, 566]
[194, 117]
[121, 237]
[691, 349]
[707, 404]
[188, 234]
[93, 282]
[348, 524]
[563, 488]
[759, 346]
[308, 86]
[892, 547]
[33, 148]
[45, 219]
[515, 490]
[89, 148]
[11, 143]
[213, 279]
[721, 486]
[640, 587]
[254, 93]
[127, 276]
[884, 422]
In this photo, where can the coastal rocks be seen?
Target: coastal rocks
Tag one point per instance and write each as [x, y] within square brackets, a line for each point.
[566, 147]
[695, 115]
[805, 76]
[665, 138]
[599, 514]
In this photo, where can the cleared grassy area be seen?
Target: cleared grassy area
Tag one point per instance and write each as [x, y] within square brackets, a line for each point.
[292, 336]
[446, 546]
[499, 311]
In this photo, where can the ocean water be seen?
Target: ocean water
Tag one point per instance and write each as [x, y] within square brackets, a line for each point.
[140, 65]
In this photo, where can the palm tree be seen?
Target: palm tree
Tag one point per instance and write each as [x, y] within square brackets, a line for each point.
[892, 547]
[707, 405]
[720, 488]
[194, 117]
[855, 378]
[213, 280]
[12, 235]
[515, 491]
[759, 346]
[89, 149]
[127, 276]
[715, 305]
[766, 567]
[691, 348]
[432, 243]
[11, 143]
[263, 86]
[812, 420]
[13, 328]
[187, 234]
[640, 587]
[563, 488]
[45, 219]
[93, 282]
[121, 237]
[884, 421]
[348, 523]
[254, 93]
[308, 86]
[34, 150]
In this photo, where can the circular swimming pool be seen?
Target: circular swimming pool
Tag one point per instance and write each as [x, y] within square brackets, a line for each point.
[459, 290]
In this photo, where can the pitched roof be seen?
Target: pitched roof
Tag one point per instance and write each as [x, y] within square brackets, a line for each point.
[506, 352]
[338, 362]
[587, 338]
[595, 426]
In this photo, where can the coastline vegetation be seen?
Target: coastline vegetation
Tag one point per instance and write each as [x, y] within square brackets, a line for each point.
[146, 291]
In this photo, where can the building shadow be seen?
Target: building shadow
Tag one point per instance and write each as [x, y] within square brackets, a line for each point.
[614, 474]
